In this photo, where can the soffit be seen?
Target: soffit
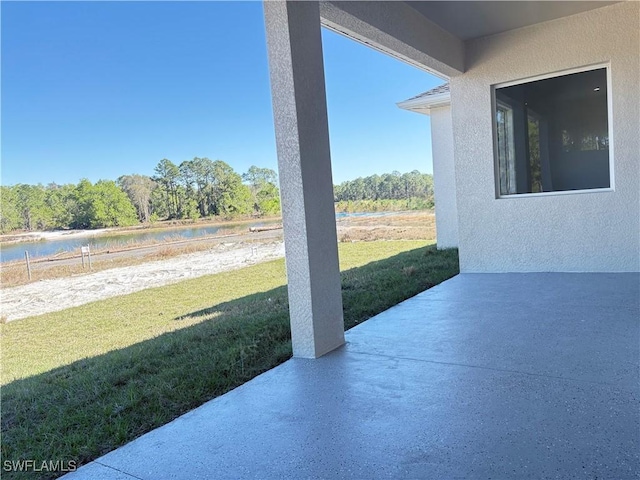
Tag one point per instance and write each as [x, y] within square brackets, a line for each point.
[473, 19]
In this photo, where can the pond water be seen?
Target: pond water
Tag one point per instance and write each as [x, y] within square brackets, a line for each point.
[46, 248]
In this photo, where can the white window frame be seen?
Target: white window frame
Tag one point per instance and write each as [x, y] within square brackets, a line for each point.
[510, 149]
[495, 103]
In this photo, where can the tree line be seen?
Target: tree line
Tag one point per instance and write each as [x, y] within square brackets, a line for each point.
[195, 188]
[388, 186]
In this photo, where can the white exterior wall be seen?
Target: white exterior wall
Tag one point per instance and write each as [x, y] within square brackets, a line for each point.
[444, 180]
[594, 231]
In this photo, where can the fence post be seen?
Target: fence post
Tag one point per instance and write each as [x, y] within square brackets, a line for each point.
[85, 251]
[26, 256]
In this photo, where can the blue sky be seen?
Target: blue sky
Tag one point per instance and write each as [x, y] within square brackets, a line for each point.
[101, 89]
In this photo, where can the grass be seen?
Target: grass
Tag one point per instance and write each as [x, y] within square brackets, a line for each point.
[81, 382]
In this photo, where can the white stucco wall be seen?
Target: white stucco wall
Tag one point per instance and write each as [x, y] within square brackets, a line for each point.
[296, 69]
[444, 177]
[594, 231]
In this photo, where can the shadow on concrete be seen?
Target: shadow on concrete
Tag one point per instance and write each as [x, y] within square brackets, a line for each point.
[89, 407]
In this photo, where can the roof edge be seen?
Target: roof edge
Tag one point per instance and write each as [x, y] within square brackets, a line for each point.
[424, 104]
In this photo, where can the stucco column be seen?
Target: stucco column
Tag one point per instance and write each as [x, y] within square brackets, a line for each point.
[302, 139]
[444, 177]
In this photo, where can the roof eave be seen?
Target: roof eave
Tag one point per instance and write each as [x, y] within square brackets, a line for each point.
[424, 105]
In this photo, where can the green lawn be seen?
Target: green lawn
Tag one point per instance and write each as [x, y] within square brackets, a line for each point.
[81, 382]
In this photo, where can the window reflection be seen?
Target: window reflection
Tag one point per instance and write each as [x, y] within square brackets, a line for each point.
[553, 134]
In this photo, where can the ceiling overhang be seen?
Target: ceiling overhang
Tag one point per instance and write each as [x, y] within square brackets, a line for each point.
[468, 20]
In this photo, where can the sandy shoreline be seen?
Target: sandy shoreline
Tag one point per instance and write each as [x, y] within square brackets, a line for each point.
[56, 235]
[39, 235]
[61, 293]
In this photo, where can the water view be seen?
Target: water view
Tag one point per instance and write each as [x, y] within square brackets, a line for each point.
[44, 248]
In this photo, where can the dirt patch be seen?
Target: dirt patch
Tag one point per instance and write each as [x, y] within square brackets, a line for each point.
[61, 293]
[64, 283]
[15, 273]
[419, 225]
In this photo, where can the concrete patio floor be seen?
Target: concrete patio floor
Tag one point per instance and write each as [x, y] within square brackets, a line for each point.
[502, 376]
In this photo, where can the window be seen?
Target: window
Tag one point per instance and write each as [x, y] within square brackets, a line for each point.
[504, 129]
[552, 134]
